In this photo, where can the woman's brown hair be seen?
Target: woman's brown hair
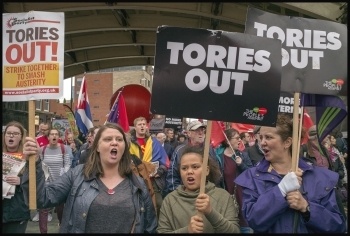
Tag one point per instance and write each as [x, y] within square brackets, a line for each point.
[93, 164]
[23, 134]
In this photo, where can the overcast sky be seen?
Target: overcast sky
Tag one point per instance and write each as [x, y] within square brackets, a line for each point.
[66, 89]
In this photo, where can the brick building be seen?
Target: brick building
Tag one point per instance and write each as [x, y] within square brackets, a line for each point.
[101, 85]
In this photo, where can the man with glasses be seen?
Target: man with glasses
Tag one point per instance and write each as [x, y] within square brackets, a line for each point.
[196, 136]
[42, 137]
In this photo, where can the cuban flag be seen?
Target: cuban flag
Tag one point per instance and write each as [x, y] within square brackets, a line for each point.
[82, 112]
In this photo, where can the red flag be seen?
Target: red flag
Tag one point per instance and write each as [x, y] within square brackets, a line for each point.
[307, 123]
[217, 133]
[118, 113]
[243, 127]
[122, 115]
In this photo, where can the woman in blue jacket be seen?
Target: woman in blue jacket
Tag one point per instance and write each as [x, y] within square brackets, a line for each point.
[102, 195]
[276, 200]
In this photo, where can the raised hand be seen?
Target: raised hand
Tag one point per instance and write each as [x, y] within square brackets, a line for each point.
[30, 147]
[203, 203]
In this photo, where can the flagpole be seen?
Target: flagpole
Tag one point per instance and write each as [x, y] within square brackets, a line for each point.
[83, 115]
[115, 101]
[228, 142]
[81, 90]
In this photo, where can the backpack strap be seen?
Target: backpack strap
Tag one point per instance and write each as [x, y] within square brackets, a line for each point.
[63, 152]
[44, 148]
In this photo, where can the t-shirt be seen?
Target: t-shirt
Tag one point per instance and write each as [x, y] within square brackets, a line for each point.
[53, 159]
[141, 142]
[111, 213]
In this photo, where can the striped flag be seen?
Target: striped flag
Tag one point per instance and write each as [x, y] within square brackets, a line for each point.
[330, 112]
[118, 113]
[82, 112]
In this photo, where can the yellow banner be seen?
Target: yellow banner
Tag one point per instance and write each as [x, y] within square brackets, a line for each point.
[31, 75]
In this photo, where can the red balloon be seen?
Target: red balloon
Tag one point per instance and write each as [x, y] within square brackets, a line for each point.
[137, 101]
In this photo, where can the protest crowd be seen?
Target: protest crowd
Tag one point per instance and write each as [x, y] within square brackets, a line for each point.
[169, 192]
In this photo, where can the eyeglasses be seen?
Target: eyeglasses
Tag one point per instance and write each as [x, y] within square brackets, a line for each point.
[14, 134]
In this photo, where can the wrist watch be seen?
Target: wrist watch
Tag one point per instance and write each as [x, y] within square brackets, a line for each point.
[308, 208]
[306, 214]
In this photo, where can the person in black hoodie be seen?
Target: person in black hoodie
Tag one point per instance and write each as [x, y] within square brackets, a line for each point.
[255, 152]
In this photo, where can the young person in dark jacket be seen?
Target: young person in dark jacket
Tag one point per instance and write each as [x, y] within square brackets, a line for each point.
[102, 195]
[15, 210]
[255, 152]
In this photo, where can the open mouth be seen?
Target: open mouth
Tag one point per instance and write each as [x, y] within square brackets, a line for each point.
[190, 180]
[114, 152]
[11, 141]
[266, 151]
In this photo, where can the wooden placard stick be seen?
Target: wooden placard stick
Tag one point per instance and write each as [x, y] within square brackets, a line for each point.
[205, 158]
[295, 155]
[300, 129]
[32, 158]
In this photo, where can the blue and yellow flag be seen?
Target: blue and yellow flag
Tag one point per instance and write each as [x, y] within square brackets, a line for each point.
[153, 151]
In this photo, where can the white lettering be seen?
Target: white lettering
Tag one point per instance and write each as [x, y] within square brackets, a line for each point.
[213, 81]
